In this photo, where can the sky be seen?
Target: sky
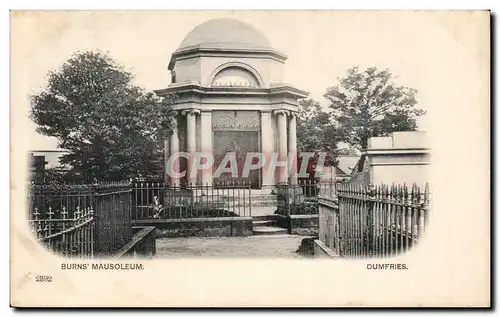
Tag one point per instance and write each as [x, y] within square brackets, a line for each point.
[417, 48]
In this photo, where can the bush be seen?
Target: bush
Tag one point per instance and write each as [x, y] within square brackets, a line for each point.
[306, 208]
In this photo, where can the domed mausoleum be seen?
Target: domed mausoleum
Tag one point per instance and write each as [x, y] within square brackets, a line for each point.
[231, 99]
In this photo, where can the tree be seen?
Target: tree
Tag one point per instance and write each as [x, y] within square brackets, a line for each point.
[315, 133]
[368, 104]
[315, 129]
[112, 129]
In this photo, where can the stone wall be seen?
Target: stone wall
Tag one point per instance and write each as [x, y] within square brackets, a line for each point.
[201, 227]
[402, 157]
[302, 225]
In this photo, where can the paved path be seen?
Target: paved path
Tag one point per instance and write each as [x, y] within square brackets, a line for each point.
[277, 246]
[263, 210]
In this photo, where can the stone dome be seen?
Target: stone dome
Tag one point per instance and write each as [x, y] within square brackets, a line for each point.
[225, 33]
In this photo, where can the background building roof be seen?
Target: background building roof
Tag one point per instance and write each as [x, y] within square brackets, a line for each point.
[346, 163]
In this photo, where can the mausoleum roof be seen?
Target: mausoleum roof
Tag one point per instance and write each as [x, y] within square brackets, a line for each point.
[225, 33]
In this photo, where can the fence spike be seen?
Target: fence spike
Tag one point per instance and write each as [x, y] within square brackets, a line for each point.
[76, 216]
[64, 213]
[426, 194]
[50, 213]
[409, 193]
[419, 194]
[36, 213]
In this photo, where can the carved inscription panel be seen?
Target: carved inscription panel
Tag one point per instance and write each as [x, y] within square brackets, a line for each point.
[236, 120]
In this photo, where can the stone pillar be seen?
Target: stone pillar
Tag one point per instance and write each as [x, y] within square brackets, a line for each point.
[166, 155]
[191, 142]
[282, 144]
[267, 147]
[292, 148]
[174, 148]
[206, 145]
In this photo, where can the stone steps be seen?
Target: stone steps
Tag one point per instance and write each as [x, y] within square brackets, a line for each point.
[266, 225]
[265, 230]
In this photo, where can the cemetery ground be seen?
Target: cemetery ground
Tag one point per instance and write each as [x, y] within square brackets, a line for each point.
[260, 246]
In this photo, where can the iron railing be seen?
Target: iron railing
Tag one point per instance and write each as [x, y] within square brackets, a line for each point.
[75, 220]
[302, 198]
[373, 221]
[154, 200]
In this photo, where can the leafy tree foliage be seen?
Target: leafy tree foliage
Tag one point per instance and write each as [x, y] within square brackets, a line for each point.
[315, 129]
[113, 129]
[316, 133]
[367, 104]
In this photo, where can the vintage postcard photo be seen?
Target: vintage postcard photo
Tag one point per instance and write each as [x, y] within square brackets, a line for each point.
[250, 158]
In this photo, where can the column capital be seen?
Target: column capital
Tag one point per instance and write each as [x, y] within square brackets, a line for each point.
[191, 111]
[281, 111]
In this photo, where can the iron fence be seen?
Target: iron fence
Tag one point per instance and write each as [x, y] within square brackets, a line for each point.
[302, 198]
[374, 221]
[75, 220]
[155, 200]
[113, 204]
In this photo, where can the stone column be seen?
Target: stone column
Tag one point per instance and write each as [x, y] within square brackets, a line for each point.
[292, 148]
[282, 144]
[206, 145]
[191, 142]
[267, 145]
[174, 148]
[166, 155]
